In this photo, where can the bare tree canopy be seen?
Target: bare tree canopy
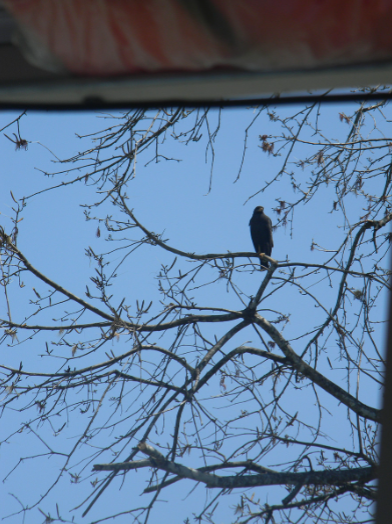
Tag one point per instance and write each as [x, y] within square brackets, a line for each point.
[179, 375]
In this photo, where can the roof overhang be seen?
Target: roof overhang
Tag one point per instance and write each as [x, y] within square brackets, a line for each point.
[213, 51]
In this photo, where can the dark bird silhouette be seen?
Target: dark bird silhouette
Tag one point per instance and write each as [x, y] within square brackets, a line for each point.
[261, 233]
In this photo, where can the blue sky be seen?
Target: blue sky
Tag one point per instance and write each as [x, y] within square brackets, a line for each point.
[168, 196]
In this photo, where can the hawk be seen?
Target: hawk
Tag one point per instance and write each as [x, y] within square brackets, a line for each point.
[261, 233]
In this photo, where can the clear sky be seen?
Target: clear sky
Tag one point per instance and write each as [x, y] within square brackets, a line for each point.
[171, 196]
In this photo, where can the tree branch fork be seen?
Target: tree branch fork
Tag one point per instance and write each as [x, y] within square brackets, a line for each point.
[248, 316]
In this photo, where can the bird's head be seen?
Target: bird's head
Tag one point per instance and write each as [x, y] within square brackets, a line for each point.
[259, 209]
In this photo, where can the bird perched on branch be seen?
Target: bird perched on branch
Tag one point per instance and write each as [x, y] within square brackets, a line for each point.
[261, 233]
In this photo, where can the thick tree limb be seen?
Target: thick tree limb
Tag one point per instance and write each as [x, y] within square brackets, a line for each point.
[316, 377]
[189, 319]
[267, 478]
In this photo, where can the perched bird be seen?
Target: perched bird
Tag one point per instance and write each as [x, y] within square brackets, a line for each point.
[261, 233]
